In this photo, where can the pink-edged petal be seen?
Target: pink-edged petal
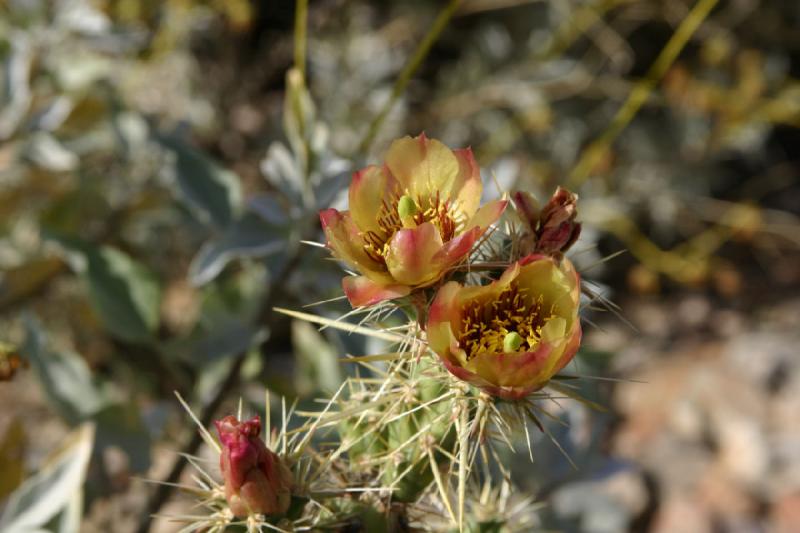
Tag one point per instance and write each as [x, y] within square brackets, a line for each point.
[517, 369]
[444, 315]
[486, 293]
[463, 374]
[346, 244]
[467, 187]
[487, 215]
[458, 247]
[546, 278]
[362, 291]
[507, 393]
[423, 166]
[371, 186]
[571, 347]
[410, 258]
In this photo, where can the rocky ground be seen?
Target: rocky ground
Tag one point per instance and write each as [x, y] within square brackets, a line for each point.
[709, 420]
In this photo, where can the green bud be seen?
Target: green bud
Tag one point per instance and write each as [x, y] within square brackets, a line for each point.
[512, 342]
[406, 207]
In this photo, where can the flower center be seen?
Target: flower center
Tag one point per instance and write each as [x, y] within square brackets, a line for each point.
[508, 324]
[404, 211]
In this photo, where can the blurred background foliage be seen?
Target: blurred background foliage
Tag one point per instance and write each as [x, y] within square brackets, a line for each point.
[161, 162]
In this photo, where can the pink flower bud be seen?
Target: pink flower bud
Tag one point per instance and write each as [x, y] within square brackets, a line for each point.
[256, 480]
[557, 227]
[553, 229]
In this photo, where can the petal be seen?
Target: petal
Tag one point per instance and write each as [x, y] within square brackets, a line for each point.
[362, 291]
[517, 369]
[346, 243]
[458, 247]
[462, 373]
[487, 215]
[443, 317]
[371, 186]
[570, 348]
[423, 166]
[467, 187]
[487, 293]
[411, 253]
[258, 494]
[544, 277]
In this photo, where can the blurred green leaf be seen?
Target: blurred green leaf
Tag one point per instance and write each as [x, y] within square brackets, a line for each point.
[268, 208]
[53, 489]
[284, 172]
[230, 339]
[212, 191]
[125, 294]
[12, 448]
[318, 367]
[20, 282]
[121, 425]
[65, 378]
[251, 236]
[69, 521]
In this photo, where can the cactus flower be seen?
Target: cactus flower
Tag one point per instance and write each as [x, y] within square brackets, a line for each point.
[552, 229]
[410, 219]
[511, 336]
[256, 480]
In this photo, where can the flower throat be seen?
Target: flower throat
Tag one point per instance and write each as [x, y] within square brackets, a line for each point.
[487, 327]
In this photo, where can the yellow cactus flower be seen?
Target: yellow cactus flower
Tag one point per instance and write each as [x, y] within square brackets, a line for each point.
[409, 220]
[511, 336]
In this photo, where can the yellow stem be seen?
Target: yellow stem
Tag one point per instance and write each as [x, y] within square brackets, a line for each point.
[641, 91]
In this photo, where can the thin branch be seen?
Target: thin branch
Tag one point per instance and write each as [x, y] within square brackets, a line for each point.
[405, 76]
[641, 92]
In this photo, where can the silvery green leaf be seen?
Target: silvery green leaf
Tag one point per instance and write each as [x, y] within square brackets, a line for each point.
[65, 377]
[318, 367]
[47, 152]
[268, 208]
[78, 70]
[248, 237]
[330, 188]
[53, 115]
[281, 170]
[131, 131]
[121, 425]
[227, 340]
[70, 519]
[125, 294]
[52, 489]
[15, 97]
[213, 192]
[81, 17]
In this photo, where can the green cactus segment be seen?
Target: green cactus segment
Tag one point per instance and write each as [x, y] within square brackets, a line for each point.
[397, 451]
[512, 342]
[421, 427]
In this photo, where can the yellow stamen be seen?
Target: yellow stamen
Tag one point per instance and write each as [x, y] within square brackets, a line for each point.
[407, 212]
[510, 323]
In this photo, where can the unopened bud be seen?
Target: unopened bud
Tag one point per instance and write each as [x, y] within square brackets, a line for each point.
[256, 479]
[557, 229]
[512, 342]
